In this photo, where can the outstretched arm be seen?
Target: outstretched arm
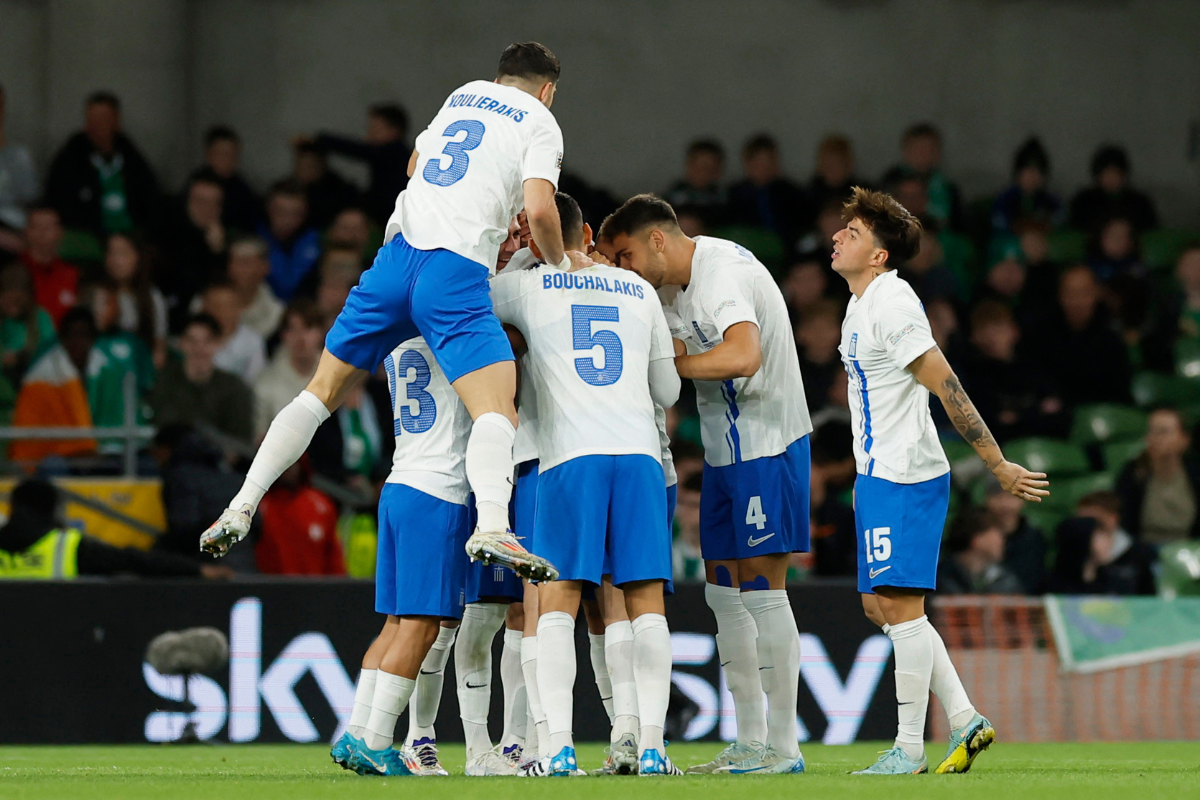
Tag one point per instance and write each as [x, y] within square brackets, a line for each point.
[935, 374]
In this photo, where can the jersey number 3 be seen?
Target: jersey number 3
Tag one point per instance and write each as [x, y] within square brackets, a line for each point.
[415, 409]
[457, 150]
[582, 318]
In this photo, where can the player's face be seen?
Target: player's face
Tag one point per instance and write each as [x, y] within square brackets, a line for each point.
[636, 254]
[853, 248]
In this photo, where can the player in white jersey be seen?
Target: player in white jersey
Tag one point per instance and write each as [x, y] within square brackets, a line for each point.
[735, 341]
[903, 487]
[423, 509]
[491, 149]
[603, 358]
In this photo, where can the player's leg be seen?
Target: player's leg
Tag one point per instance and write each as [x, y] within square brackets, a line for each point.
[556, 669]
[537, 738]
[473, 671]
[617, 643]
[364, 691]
[512, 679]
[427, 699]
[397, 676]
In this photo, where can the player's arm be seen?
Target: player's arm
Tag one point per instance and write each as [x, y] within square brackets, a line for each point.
[739, 355]
[412, 163]
[934, 373]
[663, 377]
[544, 224]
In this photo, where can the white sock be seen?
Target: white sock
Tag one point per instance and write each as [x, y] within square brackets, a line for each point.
[779, 664]
[288, 437]
[512, 679]
[428, 695]
[490, 469]
[535, 734]
[914, 667]
[945, 684]
[618, 655]
[652, 673]
[600, 670]
[473, 669]
[364, 692]
[737, 649]
[391, 696]
[556, 675]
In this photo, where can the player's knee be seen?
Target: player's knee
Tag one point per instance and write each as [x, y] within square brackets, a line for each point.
[870, 608]
[514, 620]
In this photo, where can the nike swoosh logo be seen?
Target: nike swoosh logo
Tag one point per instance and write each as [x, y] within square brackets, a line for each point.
[875, 573]
[756, 542]
[475, 686]
[909, 703]
[423, 672]
[726, 663]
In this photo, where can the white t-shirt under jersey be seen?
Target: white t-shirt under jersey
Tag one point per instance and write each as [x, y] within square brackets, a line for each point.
[474, 158]
[430, 423]
[745, 418]
[885, 330]
[592, 334]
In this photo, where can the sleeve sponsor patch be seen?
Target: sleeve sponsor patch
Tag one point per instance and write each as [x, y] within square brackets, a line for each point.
[726, 304]
[895, 338]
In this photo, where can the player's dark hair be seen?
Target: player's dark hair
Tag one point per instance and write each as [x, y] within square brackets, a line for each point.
[530, 61]
[570, 216]
[104, 98]
[706, 146]
[393, 114]
[922, 130]
[895, 229]
[639, 212]
[205, 320]
[759, 143]
[220, 133]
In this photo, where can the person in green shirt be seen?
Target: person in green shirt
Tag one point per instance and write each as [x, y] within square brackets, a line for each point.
[26, 329]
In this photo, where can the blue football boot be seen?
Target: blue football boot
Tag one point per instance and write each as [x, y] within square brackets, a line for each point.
[564, 764]
[896, 762]
[387, 762]
[344, 748]
[653, 762]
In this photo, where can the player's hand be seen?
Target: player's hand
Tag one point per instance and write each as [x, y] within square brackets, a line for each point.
[579, 260]
[525, 234]
[600, 258]
[1020, 482]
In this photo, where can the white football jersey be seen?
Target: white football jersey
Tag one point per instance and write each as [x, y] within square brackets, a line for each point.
[885, 330]
[430, 423]
[664, 445]
[592, 334]
[473, 159]
[744, 418]
[525, 443]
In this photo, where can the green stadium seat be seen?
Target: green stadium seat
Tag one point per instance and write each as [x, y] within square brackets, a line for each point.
[689, 430]
[1056, 458]
[1152, 389]
[1118, 454]
[766, 245]
[1162, 248]
[80, 246]
[1045, 517]
[1066, 246]
[1107, 423]
[1187, 358]
[1067, 493]
[1179, 574]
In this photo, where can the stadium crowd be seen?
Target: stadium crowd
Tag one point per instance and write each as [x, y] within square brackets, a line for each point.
[1073, 322]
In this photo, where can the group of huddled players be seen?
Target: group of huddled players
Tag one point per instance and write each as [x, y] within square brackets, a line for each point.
[531, 361]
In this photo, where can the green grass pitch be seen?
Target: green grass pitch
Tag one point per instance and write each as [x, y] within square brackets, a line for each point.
[1141, 771]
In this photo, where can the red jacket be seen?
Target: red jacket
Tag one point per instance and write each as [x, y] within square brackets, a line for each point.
[55, 285]
[299, 535]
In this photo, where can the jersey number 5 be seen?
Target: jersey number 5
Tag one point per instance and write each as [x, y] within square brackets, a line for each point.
[415, 410]
[457, 150]
[582, 318]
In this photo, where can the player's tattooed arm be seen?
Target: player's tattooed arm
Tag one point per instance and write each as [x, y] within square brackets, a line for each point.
[934, 373]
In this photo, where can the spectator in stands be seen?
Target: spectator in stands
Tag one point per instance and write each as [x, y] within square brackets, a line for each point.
[1176, 314]
[18, 188]
[193, 245]
[242, 209]
[927, 272]
[834, 537]
[1079, 347]
[327, 192]
[195, 391]
[1024, 544]
[55, 282]
[26, 330]
[1115, 259]
[99, 180]
[301, 340]
[247, 270]
[700, 187]
[1015, 396]
[126, 300]
[834, 175]
[1027, 201]
[293, 246]
[1160, 489]
[1095, 555]
[818, 334]
[1004, 282]
[921, 157]
[241, 351]
[976, 562]
[299, 535]
[339, 273]
[766, 198]
[804, 286]
[687, 563]
[196, 487]
[385, 151]
[352, 228]
[691, 221]
[817, 244]
[40, 545]
[1111, 195]
[354, 446]
[943, 324]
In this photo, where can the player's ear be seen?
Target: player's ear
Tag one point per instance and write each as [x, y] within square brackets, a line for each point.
[658, 240]
[546, 94]
[879, 257]
[587, 238]
[533, 248]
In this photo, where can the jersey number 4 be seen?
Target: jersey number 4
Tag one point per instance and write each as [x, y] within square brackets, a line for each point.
[457, 150]
[415, 409]
[582, 318]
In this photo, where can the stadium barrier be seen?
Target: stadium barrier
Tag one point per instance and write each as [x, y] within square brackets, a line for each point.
[1006, 654]
[74, 668]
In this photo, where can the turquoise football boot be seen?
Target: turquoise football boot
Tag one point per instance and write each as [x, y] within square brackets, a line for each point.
[564, 764]
[896, 762]
[653, 762]
[388, 762]
[344, 748]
